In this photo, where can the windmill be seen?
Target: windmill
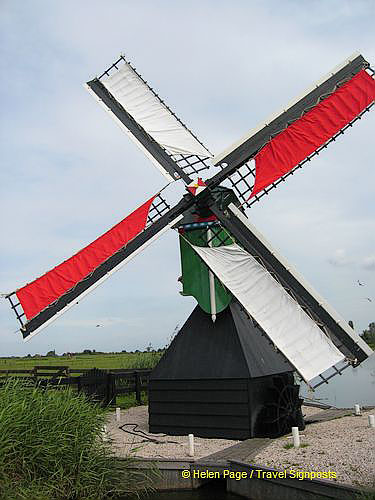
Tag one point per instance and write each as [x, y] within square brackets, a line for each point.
[230, 370]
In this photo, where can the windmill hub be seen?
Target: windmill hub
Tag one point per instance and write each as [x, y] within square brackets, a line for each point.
[201, 213]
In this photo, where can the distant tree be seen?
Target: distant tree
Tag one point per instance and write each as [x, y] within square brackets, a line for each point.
[368, 335]
[51, 353]
[87, 351]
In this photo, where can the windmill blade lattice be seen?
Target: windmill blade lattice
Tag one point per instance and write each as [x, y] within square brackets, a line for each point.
[165, 139]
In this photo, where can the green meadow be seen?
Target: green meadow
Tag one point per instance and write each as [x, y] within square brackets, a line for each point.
[105, 361]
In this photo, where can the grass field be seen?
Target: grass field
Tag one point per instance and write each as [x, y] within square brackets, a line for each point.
[82, 361]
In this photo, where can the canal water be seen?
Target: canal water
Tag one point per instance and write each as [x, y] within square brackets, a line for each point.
[215, 490]
[355, 385]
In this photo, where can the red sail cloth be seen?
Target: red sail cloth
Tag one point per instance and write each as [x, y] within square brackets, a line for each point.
[312, 130]
[38, 294]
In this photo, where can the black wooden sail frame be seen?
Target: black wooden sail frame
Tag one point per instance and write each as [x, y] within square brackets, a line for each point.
[177, 165]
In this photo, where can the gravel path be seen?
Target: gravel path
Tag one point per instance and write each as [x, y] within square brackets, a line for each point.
[345, 446]
[173, 447]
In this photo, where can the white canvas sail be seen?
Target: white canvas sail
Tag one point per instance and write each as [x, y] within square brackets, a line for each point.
[147, 109]
[293, 332]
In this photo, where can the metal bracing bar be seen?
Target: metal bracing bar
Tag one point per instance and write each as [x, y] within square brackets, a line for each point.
[158, 208]
[185, 163]
[114, 65]
[215, 231]
[337, 372]
[236, 183]
[198, 160]
[13, 306]
[161, 201]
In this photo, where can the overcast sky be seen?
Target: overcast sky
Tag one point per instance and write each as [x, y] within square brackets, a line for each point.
[69, 173]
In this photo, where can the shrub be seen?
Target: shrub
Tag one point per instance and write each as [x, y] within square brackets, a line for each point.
[141, 360]
[51, 447]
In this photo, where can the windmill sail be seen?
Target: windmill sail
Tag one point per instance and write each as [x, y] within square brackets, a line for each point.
[170, 145]
[47, 297]
[289, 138]
[293, 332]
[296, 303]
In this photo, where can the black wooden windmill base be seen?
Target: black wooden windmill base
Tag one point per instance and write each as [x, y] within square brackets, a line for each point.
[223, 380]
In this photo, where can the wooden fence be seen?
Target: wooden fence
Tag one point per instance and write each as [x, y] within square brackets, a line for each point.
[103, 385]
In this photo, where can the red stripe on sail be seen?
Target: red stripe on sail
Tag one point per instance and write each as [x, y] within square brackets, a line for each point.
[312, 130]
[40, 293]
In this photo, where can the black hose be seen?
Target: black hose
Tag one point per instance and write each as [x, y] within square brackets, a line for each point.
[141, 434]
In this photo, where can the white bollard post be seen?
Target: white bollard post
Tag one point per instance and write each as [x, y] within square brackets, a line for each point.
[191, 445]
[118, 414]
[357, 410]
[371, 421]
[296, 440]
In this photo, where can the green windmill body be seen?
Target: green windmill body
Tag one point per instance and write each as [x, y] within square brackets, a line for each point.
[200, 227]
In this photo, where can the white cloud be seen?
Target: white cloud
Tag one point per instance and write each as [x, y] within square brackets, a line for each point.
[340, 258]
[369, 262]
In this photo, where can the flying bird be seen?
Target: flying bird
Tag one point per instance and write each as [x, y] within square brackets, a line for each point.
[360, 284]
[367, 298]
